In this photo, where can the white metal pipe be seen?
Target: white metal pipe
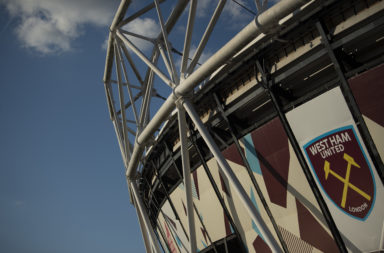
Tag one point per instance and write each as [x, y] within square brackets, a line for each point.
[235, 183]
[147, 223]
[127, 150]
[144, 232]
[258, 6]
[133, 104]
[177, 11]
[145, 106]
[144, 59]
[161, 115]
[131, 131]
[267, 18]
[264, 6]
[120, 13]
[188, 37]
[139, 13]
[106, 85]
[165, 59]
[109, 58]
[149, 78]
[206, 35]
[175, 77]
[118, 18]
[132, 64]
[116, 125]
[151, 40]
[174, 16]
[187, 177]
[117, 131]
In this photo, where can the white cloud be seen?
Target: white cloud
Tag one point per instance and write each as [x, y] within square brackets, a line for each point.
[146, 27]
[203, 57]
[18, 203]
[233, 13]
[104, 46]
[203, 6]
[234, 10]
[49, 26]
[231, 9]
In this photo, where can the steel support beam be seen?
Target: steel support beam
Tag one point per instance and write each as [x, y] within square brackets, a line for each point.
[250, 174]
[206, 35]
[194, 206]
[127, 150]
[234, 181]
[144, 214]
[204, 227]
[352, 104]
[120, 140]
[188, 37]
[142, 56]
[307, 172]
[148, 90]
[158, 208]
[218, 195]
[187, 177]
[110, 51]
[268, 18]
[138, 13]
[130, 94]
[157, 174]
[144, 232]
[175, 77]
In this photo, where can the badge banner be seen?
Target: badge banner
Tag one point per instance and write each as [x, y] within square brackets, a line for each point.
[342, 169]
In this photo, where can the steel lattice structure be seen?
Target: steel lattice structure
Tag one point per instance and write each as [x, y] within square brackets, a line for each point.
[138, 81]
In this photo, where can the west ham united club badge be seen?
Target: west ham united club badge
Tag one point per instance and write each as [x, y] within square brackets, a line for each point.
[342, 169]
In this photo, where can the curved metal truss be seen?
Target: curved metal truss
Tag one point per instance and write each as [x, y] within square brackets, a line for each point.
[146, 69]
[130, 51]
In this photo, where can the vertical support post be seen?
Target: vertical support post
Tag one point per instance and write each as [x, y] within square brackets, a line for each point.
[157, 174]
[144, 231]
[219, 197]
[170, 231]
[206, 35]
[163, 236]
[352, 104]
[175, 77]
[225, 245]
[158, 208]
[250, 174]
[147, 222]
[205, 229]
[187, 176]
[147, 91]
[169, 227]
[125, 74]
[226, 169]
[303, 163]
[158, 239]
[196, 211]
[127, 151]
[188, 37]
[148, 62]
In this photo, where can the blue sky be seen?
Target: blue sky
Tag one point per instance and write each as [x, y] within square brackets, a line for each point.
[62, 183]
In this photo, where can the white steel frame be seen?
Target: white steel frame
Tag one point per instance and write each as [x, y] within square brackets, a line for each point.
[182, 85]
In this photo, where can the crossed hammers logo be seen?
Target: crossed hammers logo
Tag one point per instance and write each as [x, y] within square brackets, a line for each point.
[351, 162]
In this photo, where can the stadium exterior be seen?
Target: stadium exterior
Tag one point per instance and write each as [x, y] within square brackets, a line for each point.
[275, 143]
